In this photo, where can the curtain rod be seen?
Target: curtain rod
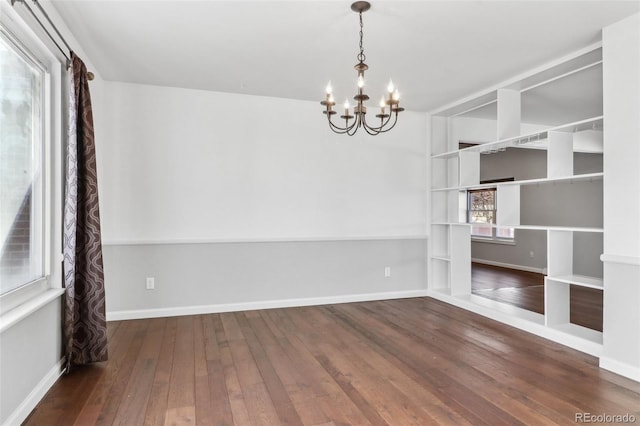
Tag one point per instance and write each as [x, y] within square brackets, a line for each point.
[65, 54]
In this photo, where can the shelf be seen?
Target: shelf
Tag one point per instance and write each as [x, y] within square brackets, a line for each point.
[496, 115]
[524, 140]
[585, 58]
[580, 332]
[508, 309]
[579, 280]
[573, 178]
[443, 257]
[542, 228]
[531, 227]
[558, 228]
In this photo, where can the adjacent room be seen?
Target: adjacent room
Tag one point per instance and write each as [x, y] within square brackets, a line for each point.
[319, 212]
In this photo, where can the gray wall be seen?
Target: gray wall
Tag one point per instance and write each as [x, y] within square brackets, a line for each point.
[553, 204]
[188, 275]
[527, 241]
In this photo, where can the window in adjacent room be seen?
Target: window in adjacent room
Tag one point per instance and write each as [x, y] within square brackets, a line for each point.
[482, 213]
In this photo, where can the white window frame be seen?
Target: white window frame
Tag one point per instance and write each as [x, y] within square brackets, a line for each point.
[16, 305]
[494, 238]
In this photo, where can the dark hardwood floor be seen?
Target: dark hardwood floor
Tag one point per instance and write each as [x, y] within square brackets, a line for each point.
[397, 362]
[526, 290]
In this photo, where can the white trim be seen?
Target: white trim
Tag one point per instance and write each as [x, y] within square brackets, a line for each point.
[29, 403]
[22, 311]
[134, 242]
[630, 371]
[265, 304]
[624, 260]
[510, 266]
[18, 296]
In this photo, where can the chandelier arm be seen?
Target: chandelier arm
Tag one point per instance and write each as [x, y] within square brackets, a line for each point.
[381, 128]
[339, 129]
[355, 126]
[371, 130]
[334, 127]
[395, 120]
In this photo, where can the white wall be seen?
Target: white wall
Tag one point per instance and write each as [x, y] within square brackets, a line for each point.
[184, 172]
[621, 81]
[179, 164]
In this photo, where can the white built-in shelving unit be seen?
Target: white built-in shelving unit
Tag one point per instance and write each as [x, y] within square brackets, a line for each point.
[455, 171]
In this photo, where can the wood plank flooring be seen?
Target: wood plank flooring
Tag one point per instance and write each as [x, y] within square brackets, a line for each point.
[397, 362]
[526, 290]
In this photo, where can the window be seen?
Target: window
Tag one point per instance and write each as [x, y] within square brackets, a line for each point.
[21, 174]
[482, 212]
[30, 169]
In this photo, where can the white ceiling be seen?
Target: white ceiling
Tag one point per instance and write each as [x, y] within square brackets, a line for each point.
[435, 51]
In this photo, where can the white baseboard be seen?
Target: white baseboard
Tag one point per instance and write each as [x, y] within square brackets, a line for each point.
[24, 409]
[267, 304]
[621, 368]
[510, 266]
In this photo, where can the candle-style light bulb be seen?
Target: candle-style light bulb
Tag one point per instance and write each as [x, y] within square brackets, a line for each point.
[329, 88]
[390, 86]
[360, 81]
[396, 95]
[346, 107]
[382, 104]
[330, 99]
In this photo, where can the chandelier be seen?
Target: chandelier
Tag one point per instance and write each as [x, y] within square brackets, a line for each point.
[389, 106]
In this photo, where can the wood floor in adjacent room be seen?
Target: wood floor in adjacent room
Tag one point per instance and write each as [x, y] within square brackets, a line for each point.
[397, 362]
[526, 290]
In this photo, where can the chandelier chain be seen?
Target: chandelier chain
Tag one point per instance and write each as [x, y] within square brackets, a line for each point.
[361, 57]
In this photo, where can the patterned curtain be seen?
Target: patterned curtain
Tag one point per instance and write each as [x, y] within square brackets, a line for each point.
[85, 327]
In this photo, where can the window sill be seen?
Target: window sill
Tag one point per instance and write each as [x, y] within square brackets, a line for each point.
[17, 314]
[493, 241]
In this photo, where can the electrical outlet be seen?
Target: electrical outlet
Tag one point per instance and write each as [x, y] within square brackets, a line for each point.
[151, 283]
[387, 271]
